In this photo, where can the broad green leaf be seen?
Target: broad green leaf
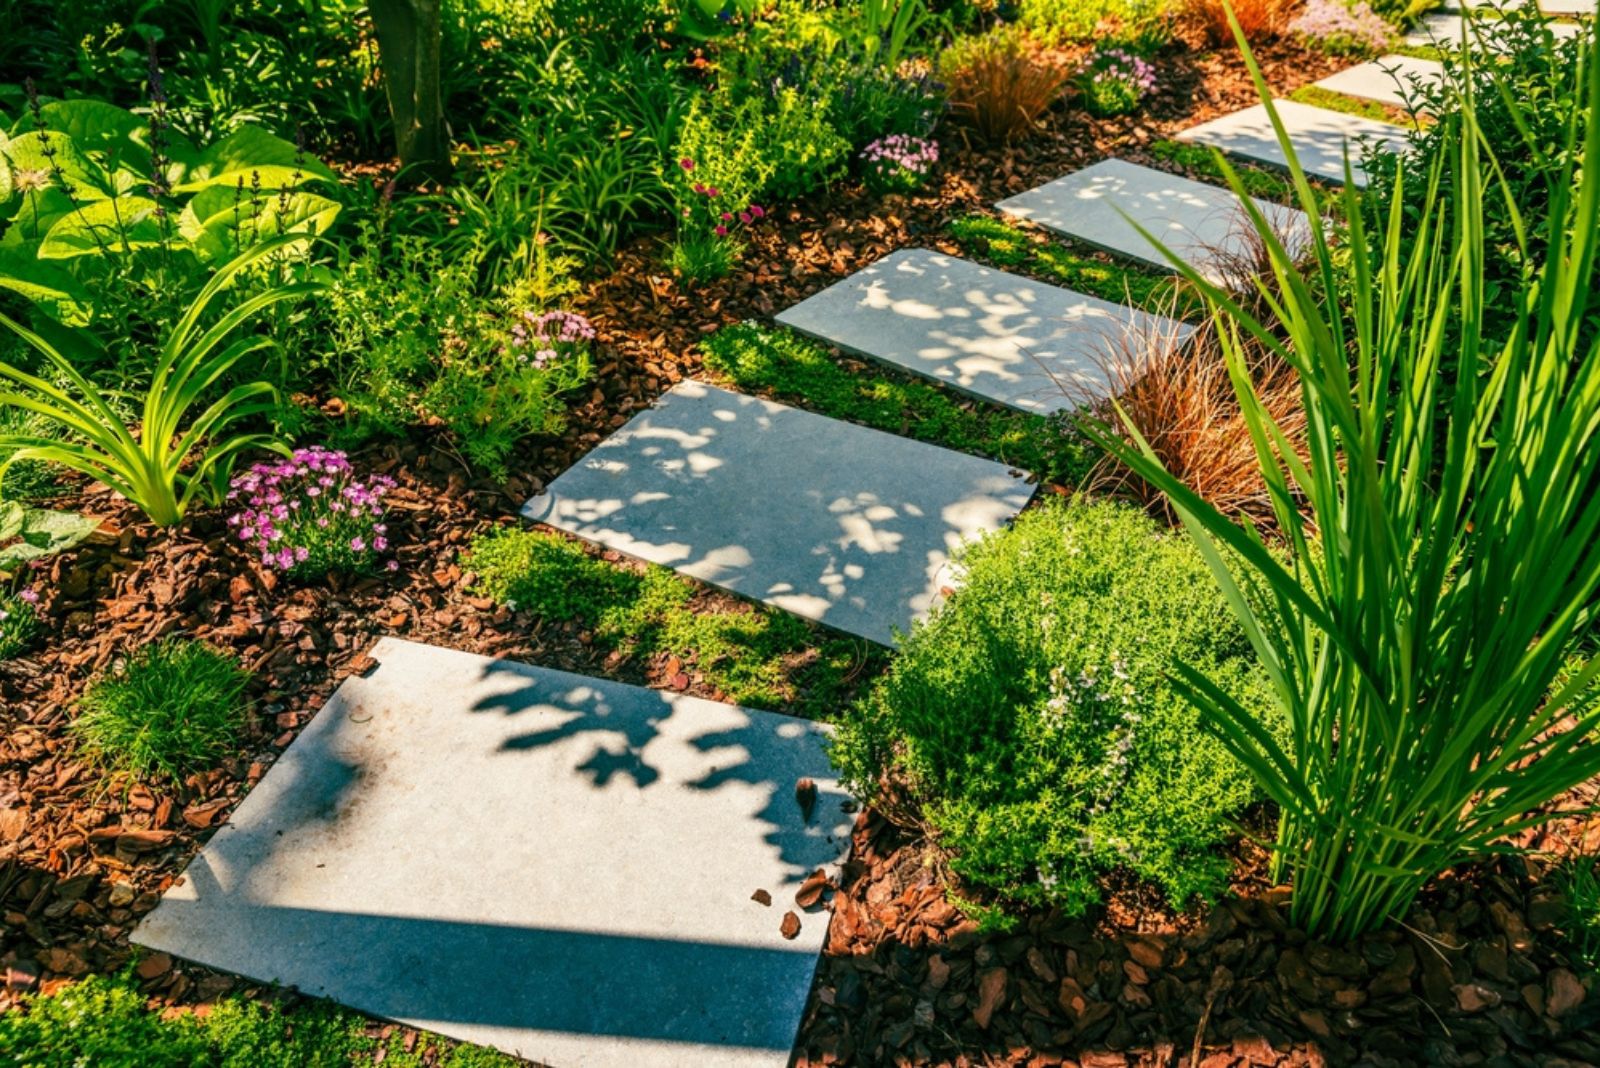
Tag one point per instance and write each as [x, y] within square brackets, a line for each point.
[249, 151]
[118, 225]
[225, 232]
[43, 532]
[94, 126]
[29, 155]
[53, 290]
[11, 516]
[37, 211]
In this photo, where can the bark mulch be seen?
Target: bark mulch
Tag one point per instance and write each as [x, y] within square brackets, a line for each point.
[906, 979]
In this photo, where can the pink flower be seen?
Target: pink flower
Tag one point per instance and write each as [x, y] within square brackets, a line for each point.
[721, 231]
[727, 216]
[29, 596]
[699, 187]
[392, 565]
[686, 163]
[744, 217]
[358, 544]
[711, 191]
[757, 210]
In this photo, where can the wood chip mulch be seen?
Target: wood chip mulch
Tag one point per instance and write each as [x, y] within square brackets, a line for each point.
[906, 979]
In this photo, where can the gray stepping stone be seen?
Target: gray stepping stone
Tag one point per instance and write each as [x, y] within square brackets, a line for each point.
[1391, 80]
[1442, 29]
[551, 864]
[1568, 8]
[834, 522]
[1025, 344]
[1204, 225]
[1319, 135]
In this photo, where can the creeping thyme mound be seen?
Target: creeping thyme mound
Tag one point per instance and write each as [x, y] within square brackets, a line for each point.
[898, 163]
[311, 513]
[1034, 723]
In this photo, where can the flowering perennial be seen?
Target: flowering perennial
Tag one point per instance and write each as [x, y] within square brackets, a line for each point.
[1342, 28]
[550, 336]
[310, 514]
[899, 163]
[707, 245]
[1115, 82]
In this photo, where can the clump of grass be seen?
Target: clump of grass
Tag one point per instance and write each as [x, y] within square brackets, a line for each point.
[757, 658]
[106, 1020]
[1001, 82]
[1004, 245]
[791, 368]
[1349, 105]
[1580, 885]
[173, 706]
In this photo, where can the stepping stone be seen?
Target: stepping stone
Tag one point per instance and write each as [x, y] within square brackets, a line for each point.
[554, 865]
[834, 522]
[1391, 80]
[1011, 340]
[1203, 225]
[1568, 8]
[1320, 137]
[1443, 30]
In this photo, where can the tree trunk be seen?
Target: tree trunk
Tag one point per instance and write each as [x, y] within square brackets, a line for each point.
[408, 47]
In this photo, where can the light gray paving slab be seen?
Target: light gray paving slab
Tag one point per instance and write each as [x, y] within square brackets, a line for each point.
[1391, 80]
[1032, 346]
[844, 525]
[1320, 137]
[1568, 8]
[1204, 225]
[555, 865]
[1443, 29]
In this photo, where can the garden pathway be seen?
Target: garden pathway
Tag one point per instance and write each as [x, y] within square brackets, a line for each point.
[1391, 80]
[645, 914]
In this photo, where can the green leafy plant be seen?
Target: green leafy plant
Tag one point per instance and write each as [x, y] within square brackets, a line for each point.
[410, 340]
[19, 621]
[1145, 24]
[171, 707]
[1580, 886]
[28, 534]
[1031, 718]
[1440, 572]
[95, 195]
[173, 455]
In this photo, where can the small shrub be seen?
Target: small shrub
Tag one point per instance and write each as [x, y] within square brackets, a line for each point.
[999, 83]
[1115, 82]
[1342, 28]
[1032, 720]
[311, 514]
[19, 621]
[411, 341]
[173, 706]
[898, 163]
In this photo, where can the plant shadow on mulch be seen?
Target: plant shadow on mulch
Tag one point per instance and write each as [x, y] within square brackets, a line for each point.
[1477, 975]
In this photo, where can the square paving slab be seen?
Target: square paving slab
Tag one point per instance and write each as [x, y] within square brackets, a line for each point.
[1203, 225]
[1390, 80]
[1444, 29]
[1319, 137]
[1568, 8]
[1007, 339]
[551, 864]
[837, 523]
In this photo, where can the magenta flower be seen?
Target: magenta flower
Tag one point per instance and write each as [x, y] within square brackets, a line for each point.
[721, 231]
[686, 163]
[744, 217]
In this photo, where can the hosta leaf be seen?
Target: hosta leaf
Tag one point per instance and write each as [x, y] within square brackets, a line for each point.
[50, 288]
[44, 533]
[118, 225]
[251, 150]
[27, 155]
[224, 232]
[94, 126]
[36, 213]
[11, 516]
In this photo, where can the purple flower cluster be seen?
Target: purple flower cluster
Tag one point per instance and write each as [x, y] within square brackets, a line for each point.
[899, 162]
[1342, 28]
[550, 335]
[310, 513]
[1115, 81]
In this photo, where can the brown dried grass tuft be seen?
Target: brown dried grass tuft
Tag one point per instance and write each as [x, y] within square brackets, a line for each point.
[1261, 20]
[1000, 83]
[1178, 395]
